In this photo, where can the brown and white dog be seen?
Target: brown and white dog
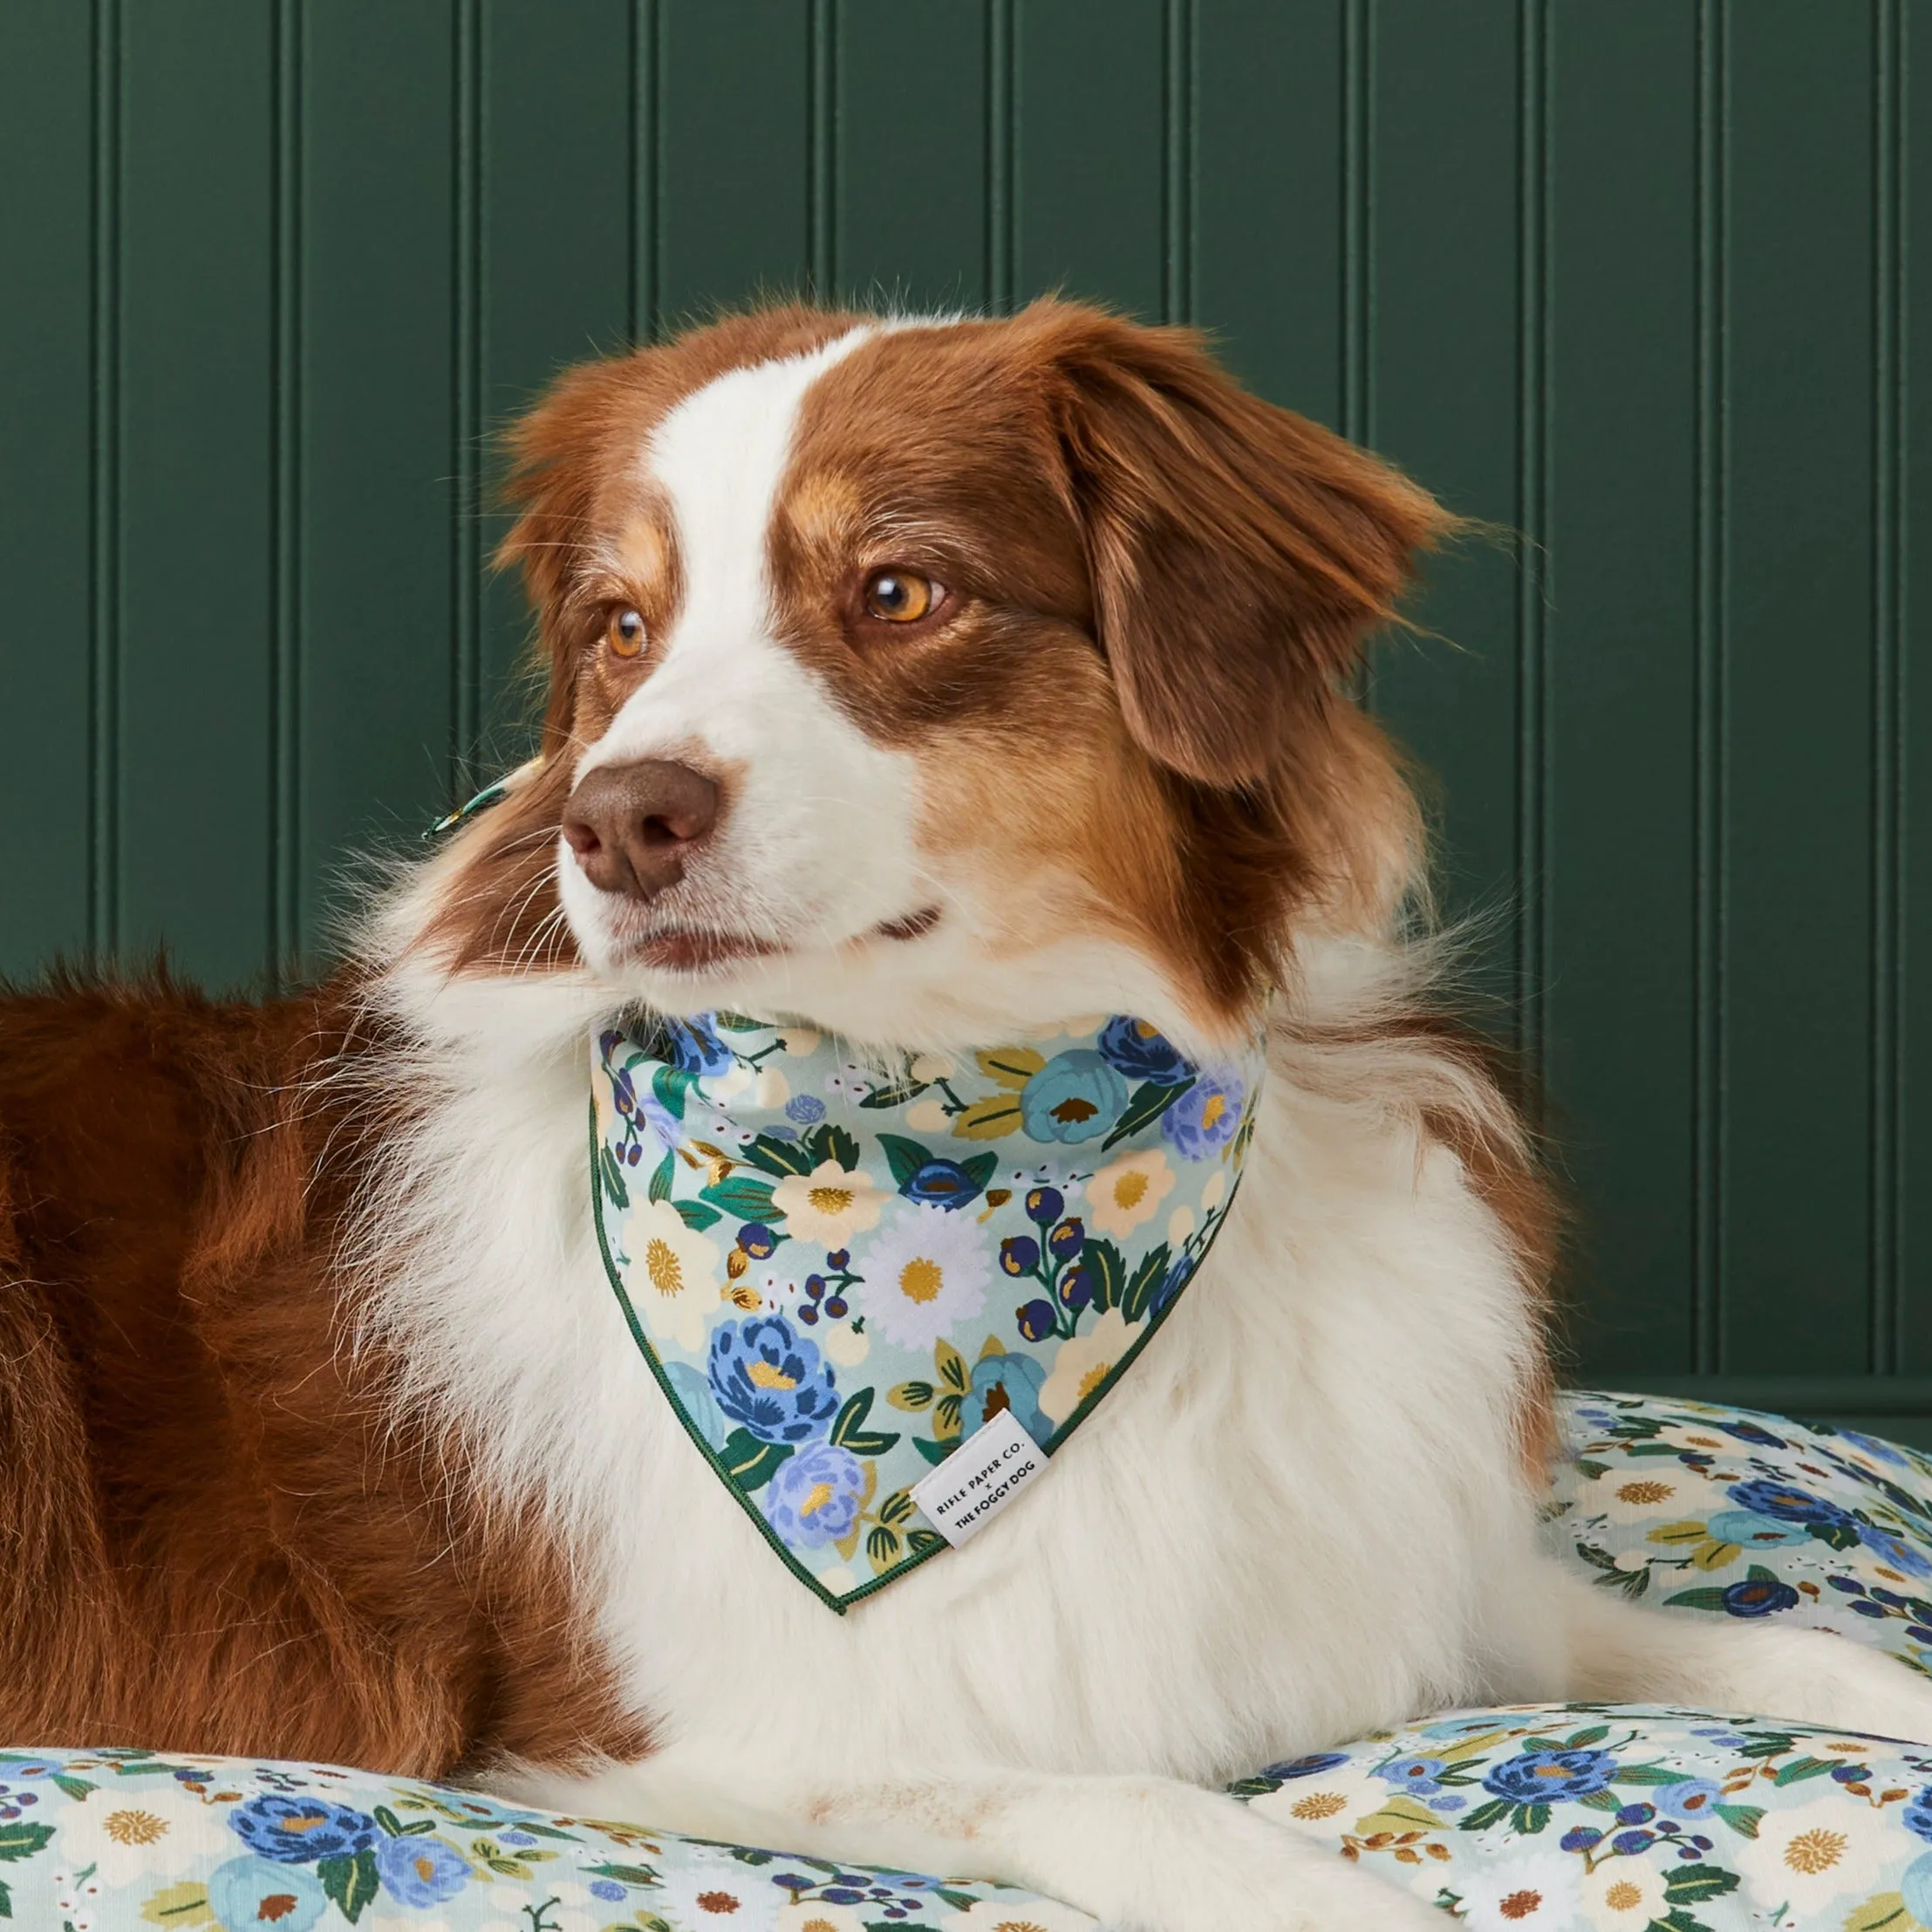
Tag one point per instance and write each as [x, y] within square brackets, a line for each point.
[928, 681]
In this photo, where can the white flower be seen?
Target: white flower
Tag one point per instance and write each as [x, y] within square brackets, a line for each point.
[141, 1831]
[1624, 1892]
[927, 1117]
[1126, 1192]
[830, 1205]
[771, 1088]
[846, 1344]
[1519, 1889]
[1812, 1855]
[926, 1271]
[814, 1915]
[1020, 1912]
[674, 1277]
[1180, 1224]
[702, 1888]
[1083, 1363]
[1216, 1190]
[1664, 1491]
[1327, 1806]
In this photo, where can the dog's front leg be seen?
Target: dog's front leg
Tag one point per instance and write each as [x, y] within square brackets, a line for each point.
[1141, 1855]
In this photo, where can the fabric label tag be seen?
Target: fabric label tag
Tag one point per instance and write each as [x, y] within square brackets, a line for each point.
[979, 1477]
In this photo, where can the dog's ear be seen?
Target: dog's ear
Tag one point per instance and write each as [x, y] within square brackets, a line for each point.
[1240, 554]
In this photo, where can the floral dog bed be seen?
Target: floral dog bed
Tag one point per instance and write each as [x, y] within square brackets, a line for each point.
[1578, 1815]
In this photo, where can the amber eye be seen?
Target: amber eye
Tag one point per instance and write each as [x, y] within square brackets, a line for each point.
[625, 633]
[902, 597]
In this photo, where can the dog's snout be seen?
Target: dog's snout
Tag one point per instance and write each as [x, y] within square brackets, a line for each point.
[633, 826]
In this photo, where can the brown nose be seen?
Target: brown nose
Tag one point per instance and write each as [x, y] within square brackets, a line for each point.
[633, 826]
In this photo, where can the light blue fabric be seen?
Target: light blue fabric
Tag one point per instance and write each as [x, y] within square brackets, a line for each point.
[1593, 1816]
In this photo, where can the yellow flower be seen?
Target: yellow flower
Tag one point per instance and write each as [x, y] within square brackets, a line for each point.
[1127, 1192]
[829, 1205]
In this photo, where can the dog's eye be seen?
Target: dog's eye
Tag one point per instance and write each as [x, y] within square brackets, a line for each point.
[625, 633]
[902, 597]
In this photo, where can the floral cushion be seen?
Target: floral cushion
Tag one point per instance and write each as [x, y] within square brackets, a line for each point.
[1603, 1816]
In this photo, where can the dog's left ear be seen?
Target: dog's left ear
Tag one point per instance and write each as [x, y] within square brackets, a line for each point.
[1240, 554]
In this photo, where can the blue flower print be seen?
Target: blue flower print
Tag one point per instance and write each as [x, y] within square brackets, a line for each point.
[1689, 1799]
[1882, 1451]
[1009, 1381]
[771, 1380]
[1142, 1054]
[805, 1110]
[1535, 1777]
[248, 1893]
[1075, 1096]
[297, 1830]
[1918, 1813]
[1205, 1119]
[1759, 1596]
[815, 1497]
[1917, 1889]
[1766, 1496]
[1311, 1766]
[608, 1889]
[1413, 1774]
[421, 1871]
[943, 1183]
[1753, 1531]
[1893, 1550]
[1748, 1432]
[695, 1046]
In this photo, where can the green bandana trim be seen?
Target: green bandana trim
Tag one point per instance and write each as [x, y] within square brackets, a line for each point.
[837, 1276]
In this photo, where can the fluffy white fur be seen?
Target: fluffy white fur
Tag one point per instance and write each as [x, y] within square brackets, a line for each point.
[1300, 1516]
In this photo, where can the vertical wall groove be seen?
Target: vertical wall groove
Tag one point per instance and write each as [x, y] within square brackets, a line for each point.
[1707, 1077]
[1358, 26]
[1887, 672]
[284, 935]
[1533, 578]
[821, 142]
[104, 493]
[1177, 174]
[465, 284]
[644, 170]
[1001, 155]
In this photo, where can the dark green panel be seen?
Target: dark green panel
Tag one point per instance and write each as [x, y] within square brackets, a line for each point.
[1443, 400]
[1269, 207]
[193, 617]
[1798, 884]
[1908, 407]
[1091, 121]
[46, 66]
[910, 225]
[1623, 646]
[556, 257]
[734, 160]
[380, 451]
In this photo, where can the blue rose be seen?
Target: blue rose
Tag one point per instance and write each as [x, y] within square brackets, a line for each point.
[1885, 1451]
[1415, 1774]
[695, 1046]
[1180, 1271]
[770, 1380]
[1075, 1096]
[1690, 1797]
[1009, 1382]
[1205, 1118]
[1766, 1496]
[1758, 1596]
[1142, 1054]
[297, 1830]
[246, 1893]
[1752, 1531]
[815, 1497]
[807, 1109]
[1918, 1813]
[1916, 1887]
[943, 1183]
[421, 1870]
[1535, 1777]
[1894, 1550]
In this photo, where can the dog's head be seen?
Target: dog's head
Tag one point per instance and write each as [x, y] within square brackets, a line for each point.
[934, 680]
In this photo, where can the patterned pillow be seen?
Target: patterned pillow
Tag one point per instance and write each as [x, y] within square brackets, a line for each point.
[1591, 1815]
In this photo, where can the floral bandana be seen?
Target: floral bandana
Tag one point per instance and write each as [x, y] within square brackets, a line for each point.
[839, 1275]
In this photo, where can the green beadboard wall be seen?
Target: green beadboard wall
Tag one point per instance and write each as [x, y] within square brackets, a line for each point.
[1643, 282]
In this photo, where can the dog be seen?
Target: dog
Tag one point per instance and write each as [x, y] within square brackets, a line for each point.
[923, 682]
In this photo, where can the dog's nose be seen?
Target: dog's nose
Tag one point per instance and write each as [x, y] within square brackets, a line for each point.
[633, 826]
